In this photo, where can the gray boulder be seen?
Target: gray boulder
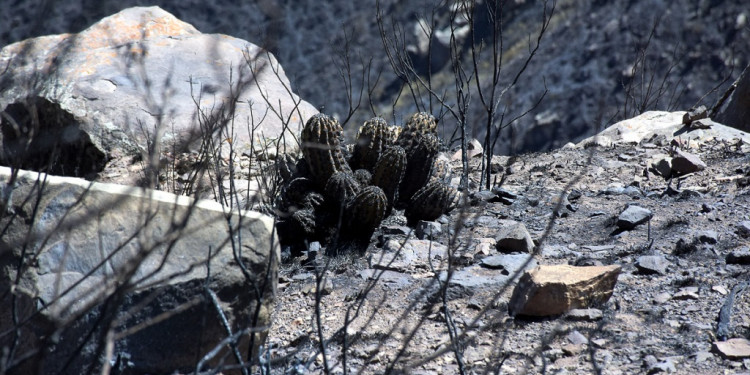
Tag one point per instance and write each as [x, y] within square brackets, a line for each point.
[88, 269]
[734, 108]
[657, 123]
[140, 80]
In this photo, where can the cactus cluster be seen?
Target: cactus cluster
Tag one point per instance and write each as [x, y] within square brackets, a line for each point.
[331, 198]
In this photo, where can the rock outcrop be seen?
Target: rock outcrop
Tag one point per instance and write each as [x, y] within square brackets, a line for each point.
[734, 110]
[136, 82]
[155, 280]
[668, 125]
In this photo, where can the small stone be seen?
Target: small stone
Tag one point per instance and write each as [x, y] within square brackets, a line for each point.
[685, 162]
[428, 230]
[654, 366]
[326, 287]
[708, 236]
[577, 338]
[473, 148]
[652, 264]
[600, 343]
[662, 298]
[513, 237]
[662, 166]
[589, 315]
[702, 356]
[395, 229]
[504, 193]
[694, 114]
[720, 289]
[482, 196]
[483, 246]
[737, 348]
[743, 228]
[508, 262]
[632, 217]
[741, 256]
[572, 349]
[689, 292]
[574, 195]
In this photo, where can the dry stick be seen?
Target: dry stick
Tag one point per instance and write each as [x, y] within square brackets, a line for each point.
[286, 120]
[225, 324]
[400, 62]
[345, 71]
[319, 277]
[546, 19]
[210, 355]
[452, 330]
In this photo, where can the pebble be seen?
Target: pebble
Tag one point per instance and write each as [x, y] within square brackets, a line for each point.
[577, 338]
[590, 314]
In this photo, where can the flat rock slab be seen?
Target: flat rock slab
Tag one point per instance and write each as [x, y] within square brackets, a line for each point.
[393, 279]
[652, 264]
[585, 314]
[553, 290]
[737, 348]
[146, 253]
[141, 75]
[410, 256]
[496, 271]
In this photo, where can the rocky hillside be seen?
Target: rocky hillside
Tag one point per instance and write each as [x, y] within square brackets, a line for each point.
[624, 252]
[671, 54]
[665, 216]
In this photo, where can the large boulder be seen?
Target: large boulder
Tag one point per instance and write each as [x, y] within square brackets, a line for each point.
[136, 82]
[658, 123]
[734, 108]
[143, 280]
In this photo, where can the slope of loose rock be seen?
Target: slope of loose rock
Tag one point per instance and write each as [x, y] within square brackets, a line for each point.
[376, 318]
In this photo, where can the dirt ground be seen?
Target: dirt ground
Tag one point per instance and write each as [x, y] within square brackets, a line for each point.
[377, 319]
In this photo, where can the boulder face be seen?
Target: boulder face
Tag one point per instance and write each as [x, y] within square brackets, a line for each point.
[154, 274]
[735, 109]
[555, 289]
[139, 80]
